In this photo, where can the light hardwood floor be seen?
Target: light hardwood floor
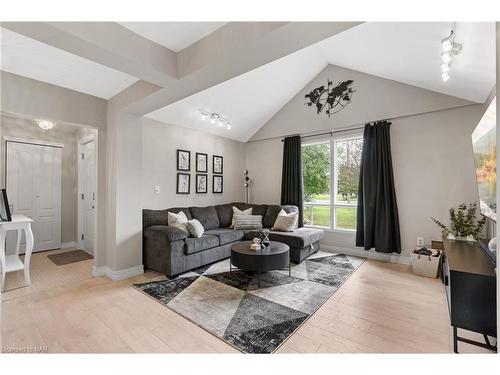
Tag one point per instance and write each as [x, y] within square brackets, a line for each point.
[381, 308]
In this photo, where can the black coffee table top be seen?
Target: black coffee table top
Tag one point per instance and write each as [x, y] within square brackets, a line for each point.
[273, 248]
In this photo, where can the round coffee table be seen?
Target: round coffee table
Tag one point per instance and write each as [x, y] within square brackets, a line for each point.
[273, 257]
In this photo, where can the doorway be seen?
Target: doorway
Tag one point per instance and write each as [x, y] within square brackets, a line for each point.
[87, 200]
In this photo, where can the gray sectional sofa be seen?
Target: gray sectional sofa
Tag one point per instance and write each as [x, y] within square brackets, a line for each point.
[170, 251]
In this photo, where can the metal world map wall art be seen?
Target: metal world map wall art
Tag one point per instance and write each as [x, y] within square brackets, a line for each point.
[331, 99]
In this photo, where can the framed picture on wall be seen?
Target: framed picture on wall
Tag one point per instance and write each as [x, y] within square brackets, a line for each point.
[183, 183]
[217, 184]
[201, 162]
[183, 160]
[217, 164]
[4, 207]
[201, 184]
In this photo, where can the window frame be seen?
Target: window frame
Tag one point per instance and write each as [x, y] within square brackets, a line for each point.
[333, 204]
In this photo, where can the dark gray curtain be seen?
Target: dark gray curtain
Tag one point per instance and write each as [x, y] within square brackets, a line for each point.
[291, 179]
[377, 215]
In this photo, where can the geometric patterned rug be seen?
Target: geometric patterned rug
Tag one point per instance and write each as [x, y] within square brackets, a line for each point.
[254, 320]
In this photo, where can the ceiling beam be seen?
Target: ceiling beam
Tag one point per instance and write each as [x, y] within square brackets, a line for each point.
[106, 43]
[233, 50]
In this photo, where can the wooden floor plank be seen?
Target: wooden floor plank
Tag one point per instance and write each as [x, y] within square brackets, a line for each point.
[382, 307]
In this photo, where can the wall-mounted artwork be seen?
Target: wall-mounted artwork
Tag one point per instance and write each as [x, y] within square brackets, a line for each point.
[201, 183]
[183, 183]
[201, 162]
[218, 164]
[217, 184]
[330, 99]
[183, 160]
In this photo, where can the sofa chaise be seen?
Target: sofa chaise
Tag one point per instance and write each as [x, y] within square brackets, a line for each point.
[170, 251]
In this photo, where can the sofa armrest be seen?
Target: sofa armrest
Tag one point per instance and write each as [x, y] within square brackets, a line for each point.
[172, 233]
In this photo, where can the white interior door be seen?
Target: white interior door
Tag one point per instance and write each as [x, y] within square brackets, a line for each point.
[34, 189]
[87, 195]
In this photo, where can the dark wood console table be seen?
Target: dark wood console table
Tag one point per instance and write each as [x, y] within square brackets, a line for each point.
[470, 282]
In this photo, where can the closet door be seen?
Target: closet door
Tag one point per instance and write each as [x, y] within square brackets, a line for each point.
[34, 189]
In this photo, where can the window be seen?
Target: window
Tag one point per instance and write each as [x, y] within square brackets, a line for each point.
[331, 188]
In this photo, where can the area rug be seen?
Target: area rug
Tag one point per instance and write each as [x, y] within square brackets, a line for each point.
[69, 257]
[254, 320]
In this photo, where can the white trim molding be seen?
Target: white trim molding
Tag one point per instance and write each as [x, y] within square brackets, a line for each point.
[392, 258]
[32, 141]
[98, 271]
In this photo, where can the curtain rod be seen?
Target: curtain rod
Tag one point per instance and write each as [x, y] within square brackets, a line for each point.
[331, 132]
[325, 133]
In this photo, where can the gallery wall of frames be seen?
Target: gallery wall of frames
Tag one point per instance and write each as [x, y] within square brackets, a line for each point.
[201, 175]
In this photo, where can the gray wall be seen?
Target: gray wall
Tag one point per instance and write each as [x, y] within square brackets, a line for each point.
[65, 134]
[432, 152]
[374, 99]
[160, 142]
[25, 96]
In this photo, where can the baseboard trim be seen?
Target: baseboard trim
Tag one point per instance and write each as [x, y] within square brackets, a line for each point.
[367, 254]
[67, 245]
[117, 275]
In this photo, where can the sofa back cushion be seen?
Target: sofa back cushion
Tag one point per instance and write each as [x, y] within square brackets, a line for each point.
[225, 214]
[272, 213]
[160, 217]
[257, 209]
[207, 216]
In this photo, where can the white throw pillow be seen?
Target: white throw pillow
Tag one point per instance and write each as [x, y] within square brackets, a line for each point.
[195, 228]
[286, 222]
[179, 220]
[237, 211]
[247, 222]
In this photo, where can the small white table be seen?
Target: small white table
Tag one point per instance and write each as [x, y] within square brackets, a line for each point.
[11, 263]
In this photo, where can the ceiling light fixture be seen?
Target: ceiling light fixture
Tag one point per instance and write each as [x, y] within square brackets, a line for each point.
[45, 124]
[449, 49]
[215, 118]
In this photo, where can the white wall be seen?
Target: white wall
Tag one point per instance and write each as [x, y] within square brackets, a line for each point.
[160, 143]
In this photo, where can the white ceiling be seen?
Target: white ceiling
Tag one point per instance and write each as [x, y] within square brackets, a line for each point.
[173, 35]
[30, 58]
[410, 52]
[405, 52]
[247, 101]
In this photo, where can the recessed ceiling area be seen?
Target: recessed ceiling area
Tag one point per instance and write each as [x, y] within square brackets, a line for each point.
[173, 35]
[404, 52]
[247, 101]
[30, 58]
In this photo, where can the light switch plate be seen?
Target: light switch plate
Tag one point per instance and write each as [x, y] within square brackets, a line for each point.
[157, 189]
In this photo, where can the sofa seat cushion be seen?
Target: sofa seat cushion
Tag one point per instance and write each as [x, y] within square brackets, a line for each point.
[226, 235]
[299, 238]
[207, 216]
[172, 233]
[205, 242]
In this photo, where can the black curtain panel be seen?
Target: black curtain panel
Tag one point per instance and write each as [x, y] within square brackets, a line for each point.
[377, 213]
[291, 179]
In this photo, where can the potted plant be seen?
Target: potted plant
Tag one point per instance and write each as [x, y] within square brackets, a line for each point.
[464, 223]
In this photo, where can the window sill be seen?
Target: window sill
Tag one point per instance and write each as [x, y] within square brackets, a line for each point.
[329, 230]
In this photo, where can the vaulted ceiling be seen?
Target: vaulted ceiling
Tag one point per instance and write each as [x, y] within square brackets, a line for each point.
[173, 35]
[245, 71]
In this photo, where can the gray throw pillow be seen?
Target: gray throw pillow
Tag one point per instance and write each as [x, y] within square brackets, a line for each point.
[247, 222]
[195, 228]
